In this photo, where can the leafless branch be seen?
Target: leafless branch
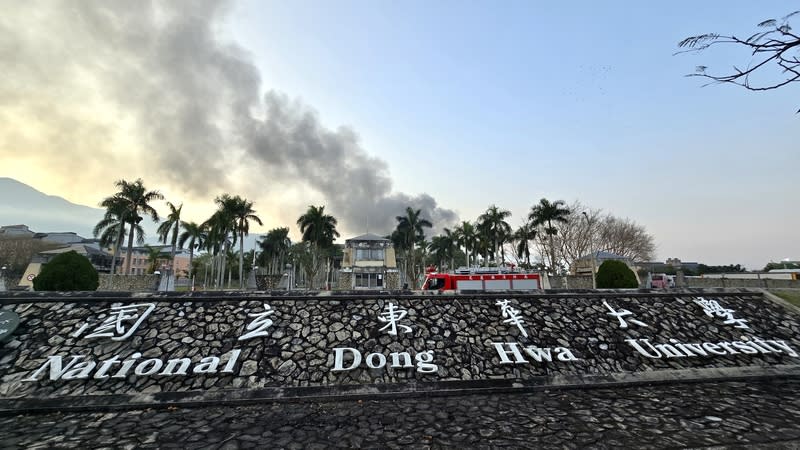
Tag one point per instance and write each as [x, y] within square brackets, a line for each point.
[777, 46]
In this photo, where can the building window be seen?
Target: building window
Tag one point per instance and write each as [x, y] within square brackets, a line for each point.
[369, 280]
[369, 254]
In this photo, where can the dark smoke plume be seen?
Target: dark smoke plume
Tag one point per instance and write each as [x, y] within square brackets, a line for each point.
[193, 103]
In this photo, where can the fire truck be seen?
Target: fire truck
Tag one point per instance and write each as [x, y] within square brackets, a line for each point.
[482, 279]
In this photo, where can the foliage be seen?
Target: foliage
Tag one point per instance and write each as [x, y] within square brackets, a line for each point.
[730, 268]
[16, 252]
[775, 46]
[132, 201]
[547, 214]
[68, 271]
[275, 247]
[171, 224]
[195, 236]
[408, 234]
[782, 265]
[495, 230]
[319, 231]
[615, 275]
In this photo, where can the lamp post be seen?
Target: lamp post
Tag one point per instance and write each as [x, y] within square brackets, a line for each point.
[591, 248]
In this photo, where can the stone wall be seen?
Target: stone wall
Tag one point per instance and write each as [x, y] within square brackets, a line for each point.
[260, 342]
[128, 283]
[570, 282]
[763, 283]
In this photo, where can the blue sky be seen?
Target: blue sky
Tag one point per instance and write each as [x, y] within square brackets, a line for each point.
[479, 103]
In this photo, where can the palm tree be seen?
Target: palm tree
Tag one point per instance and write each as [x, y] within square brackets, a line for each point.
[153, 255]
[544, 214]
[219, 227]
[111, 228]
[134, 199]
[466, 237]
[524, 235]
[496, 228]
[195, 235]
[171, 223]
[318, 229]
[242, 212]
[274, 247]
[443, 248]
[410, 231]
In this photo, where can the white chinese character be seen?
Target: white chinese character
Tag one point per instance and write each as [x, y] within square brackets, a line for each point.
[512, 314]
[712, 307]
[258, 327]
[114, 326]
[623, 312]
[392, 316]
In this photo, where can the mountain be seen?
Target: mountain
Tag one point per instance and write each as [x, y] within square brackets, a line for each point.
[22, 204]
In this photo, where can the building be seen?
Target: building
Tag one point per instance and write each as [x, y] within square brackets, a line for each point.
[16, 231]
[369, 262]
[140, 260]
[583, 265]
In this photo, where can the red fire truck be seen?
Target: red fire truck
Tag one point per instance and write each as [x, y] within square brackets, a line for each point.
[482, 279]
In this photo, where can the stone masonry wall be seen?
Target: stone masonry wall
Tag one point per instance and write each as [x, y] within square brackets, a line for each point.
[570, 282]
[128, 283]
[296, 348]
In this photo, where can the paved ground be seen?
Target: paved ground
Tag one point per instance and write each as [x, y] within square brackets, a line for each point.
[757, 413]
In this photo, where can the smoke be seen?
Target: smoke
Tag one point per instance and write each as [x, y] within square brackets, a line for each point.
[121, 89]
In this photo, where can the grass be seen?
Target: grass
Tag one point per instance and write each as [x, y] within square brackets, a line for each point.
[791, 296]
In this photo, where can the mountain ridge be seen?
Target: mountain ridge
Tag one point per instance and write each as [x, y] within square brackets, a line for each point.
[22, 204]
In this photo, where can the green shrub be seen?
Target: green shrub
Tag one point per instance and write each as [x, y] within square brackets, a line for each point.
[67, 272]
[616, 275]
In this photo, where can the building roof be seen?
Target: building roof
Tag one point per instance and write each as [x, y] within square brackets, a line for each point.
[368, 237]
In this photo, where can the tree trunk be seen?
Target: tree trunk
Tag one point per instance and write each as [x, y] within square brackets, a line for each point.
[130, 251]
[172, 255]
[241, 260]
[118, 244]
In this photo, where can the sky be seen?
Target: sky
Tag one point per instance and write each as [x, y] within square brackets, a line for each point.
[371, 106]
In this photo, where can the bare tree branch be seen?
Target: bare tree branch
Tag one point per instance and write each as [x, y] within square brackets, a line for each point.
[777, 46]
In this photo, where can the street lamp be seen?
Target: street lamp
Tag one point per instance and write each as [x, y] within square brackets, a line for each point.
[591, 248]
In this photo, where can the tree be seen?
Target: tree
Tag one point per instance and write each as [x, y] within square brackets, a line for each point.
[466, 237]
[781, 265]
[218, 227]
[442, 247]
[275, 247]
[775, 46]
[171, 223]
[111, 228]
[242, 212]
[68, 271]
[545, 214]
[153, 255]
[135, 199]
[495, 228]
[614, 274]
[195, 236]
[410, 231]
[625, 237]
[524, 235]
[319, 230]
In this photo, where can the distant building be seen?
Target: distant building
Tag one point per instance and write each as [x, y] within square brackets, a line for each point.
[16, 231]
[65, 237]
[583, 265]
[140, 260]
[369, 262]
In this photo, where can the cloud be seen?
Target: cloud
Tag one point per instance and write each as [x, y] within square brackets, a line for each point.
[129, 89]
